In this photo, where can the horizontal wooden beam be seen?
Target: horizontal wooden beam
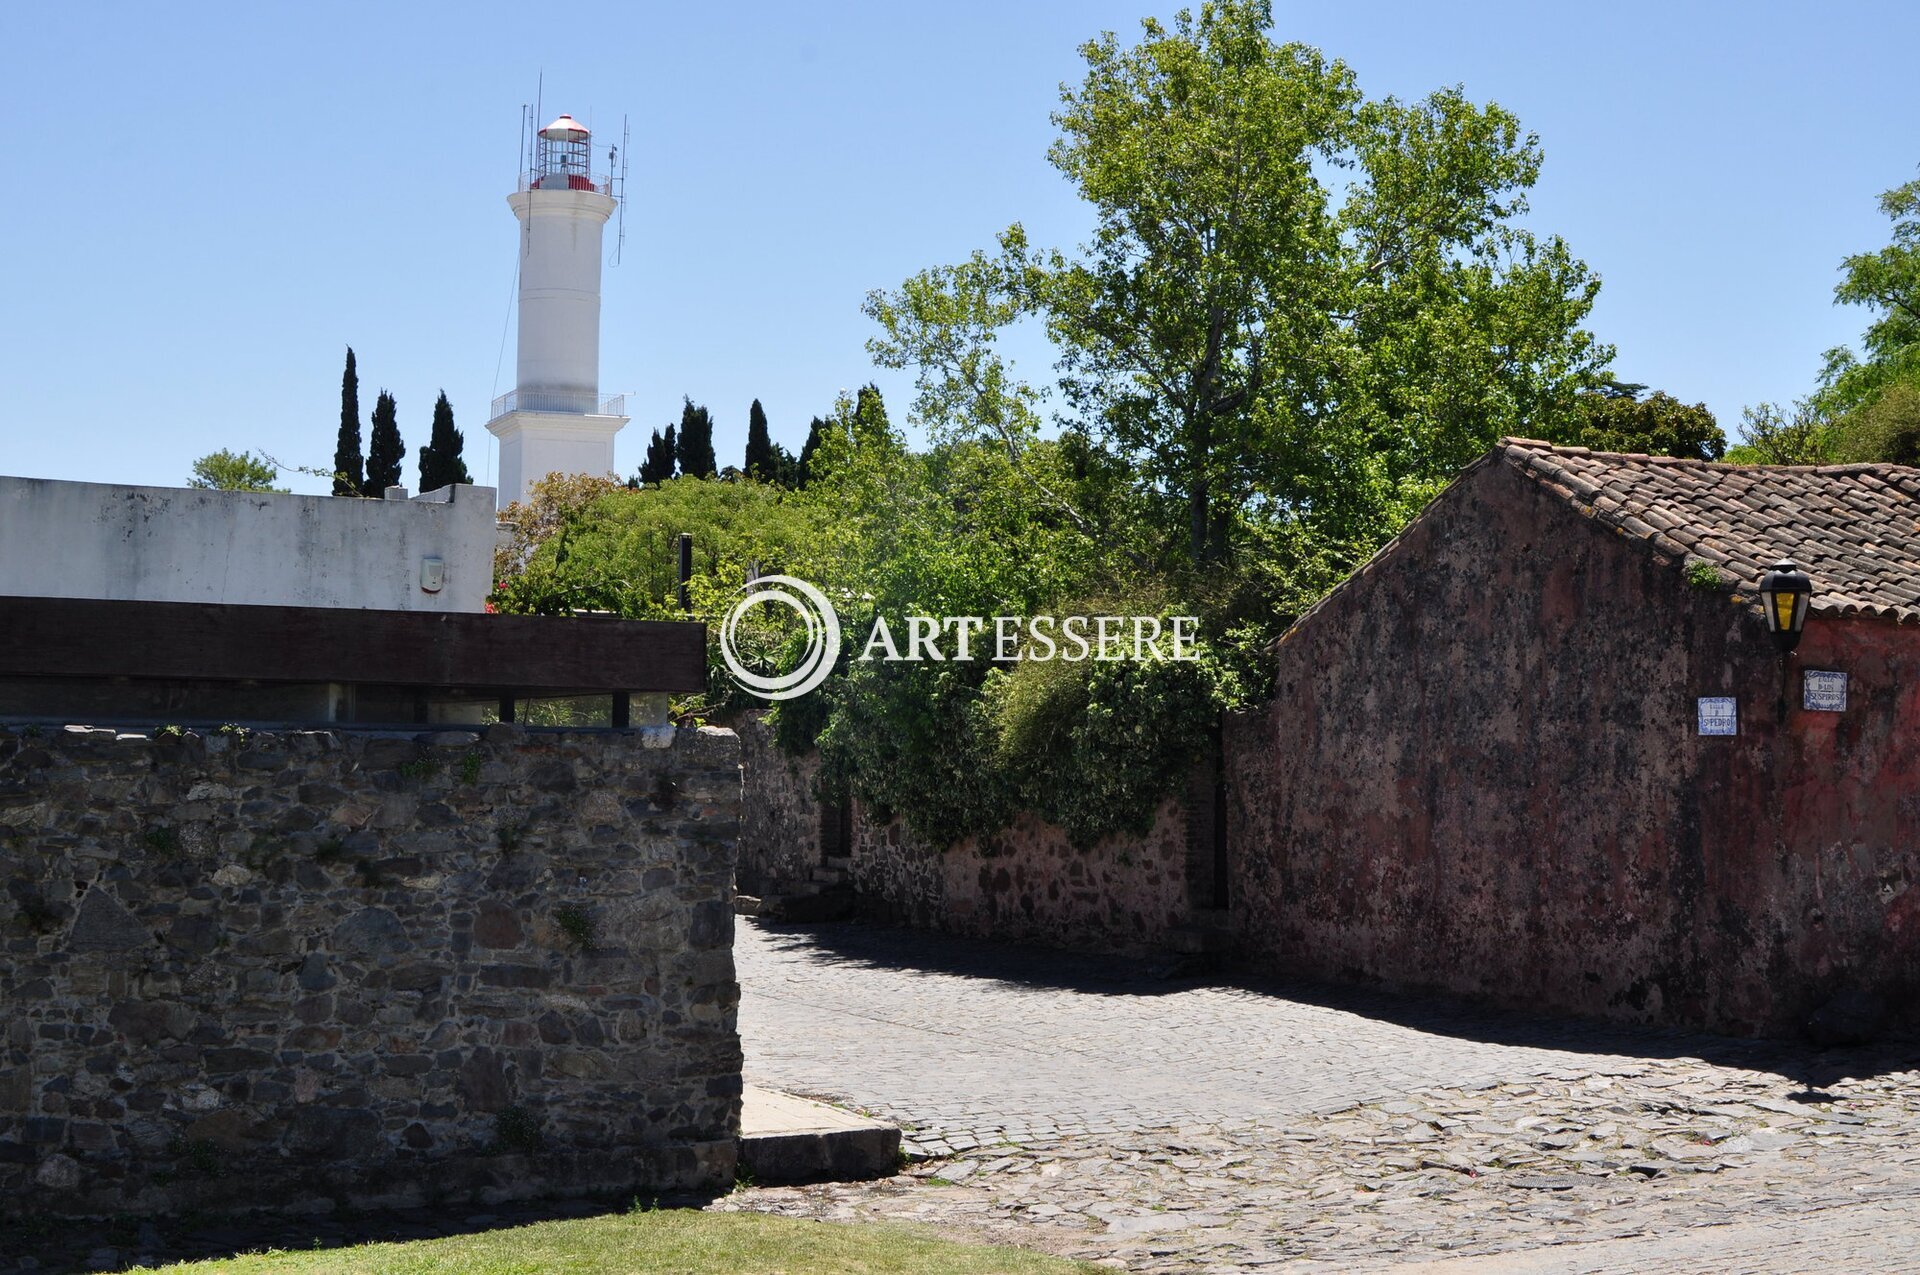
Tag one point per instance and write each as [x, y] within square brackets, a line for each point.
[88, 637]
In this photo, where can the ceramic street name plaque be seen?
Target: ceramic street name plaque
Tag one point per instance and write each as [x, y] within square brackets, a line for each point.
[1719, 715]
[1823, 691]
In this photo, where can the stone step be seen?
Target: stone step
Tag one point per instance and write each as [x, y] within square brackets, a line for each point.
[785, 1140]
[830, 876]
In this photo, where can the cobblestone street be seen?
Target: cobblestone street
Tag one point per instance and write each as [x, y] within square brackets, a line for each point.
[1090, 1107]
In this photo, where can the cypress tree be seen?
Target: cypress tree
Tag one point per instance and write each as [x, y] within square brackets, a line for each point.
[759, 462]
[786, 467]
[695, 447]
[870, 424]
[658, 465]
[440, 463]
[803, 468]
[347, 479]
[385, 452]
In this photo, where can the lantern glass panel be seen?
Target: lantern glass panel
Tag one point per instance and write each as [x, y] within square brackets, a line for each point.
[1784, 607]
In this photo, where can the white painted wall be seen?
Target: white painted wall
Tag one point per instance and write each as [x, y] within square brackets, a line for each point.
[556, 427]
[171, 544]
[535, 444]
[560, 247]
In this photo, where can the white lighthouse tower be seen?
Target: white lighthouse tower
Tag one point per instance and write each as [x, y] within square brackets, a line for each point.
[555, 420]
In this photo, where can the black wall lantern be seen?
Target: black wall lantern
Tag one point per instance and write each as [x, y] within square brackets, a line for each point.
[1784, 594]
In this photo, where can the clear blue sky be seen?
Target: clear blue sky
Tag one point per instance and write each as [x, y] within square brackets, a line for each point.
[207, 204]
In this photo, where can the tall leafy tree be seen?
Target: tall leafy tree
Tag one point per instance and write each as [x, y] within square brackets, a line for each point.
[694, 448]
[1299, 307]
[1887, 283]
[657, 466]
[759, 461]
[386, 453]
[440, 462]
[1887, 428]
[234, 471]
[1770, 434]
[348, 479]
[1615, 417]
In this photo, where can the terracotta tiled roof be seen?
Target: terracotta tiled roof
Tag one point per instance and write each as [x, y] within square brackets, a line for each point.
[1854, 528]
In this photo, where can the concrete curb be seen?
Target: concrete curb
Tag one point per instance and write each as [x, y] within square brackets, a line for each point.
[786, 1140]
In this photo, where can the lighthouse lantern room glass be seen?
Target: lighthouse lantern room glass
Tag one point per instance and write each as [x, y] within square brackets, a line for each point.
[565, 156]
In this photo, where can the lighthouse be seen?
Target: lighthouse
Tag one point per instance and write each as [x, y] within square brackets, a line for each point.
[554, 420]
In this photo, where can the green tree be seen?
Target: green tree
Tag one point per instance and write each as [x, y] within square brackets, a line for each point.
[1249, 340]
[1885, 429]
[347, 476]
[955, 748]
[1887, 283]
[234, 471]
[804, 465]
[1773, 435]
[786, 467]
[440, 462]
[760, 461]
[1615, 418]
[694, 448]
[657, 467]
[386, 453]
[582, 543]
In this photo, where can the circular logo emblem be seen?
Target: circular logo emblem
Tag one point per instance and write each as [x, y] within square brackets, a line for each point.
[823, 637]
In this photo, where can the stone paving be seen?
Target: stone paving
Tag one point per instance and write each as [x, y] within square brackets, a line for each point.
[1088, 1107]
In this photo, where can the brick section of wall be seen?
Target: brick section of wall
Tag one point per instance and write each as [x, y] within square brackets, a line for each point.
[1480, 774]
[303, 970]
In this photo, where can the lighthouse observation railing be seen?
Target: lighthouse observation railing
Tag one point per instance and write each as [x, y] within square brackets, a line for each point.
[571, 402]
[598, 183]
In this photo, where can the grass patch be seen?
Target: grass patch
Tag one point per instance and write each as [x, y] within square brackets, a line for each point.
[663, 1242]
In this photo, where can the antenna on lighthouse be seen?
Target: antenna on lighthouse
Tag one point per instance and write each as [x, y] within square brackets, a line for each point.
[617, 178]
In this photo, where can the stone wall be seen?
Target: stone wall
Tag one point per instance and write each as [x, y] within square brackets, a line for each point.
[304, 970]
[1028, 884]
[780, 824]
[1481, 774]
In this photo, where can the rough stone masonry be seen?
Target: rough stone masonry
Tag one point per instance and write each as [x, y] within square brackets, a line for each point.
[309, 969]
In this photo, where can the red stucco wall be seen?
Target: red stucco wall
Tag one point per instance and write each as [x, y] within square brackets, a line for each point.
[1480, 773]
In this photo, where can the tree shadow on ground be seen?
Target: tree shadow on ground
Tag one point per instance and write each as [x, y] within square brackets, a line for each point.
[882, 947]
